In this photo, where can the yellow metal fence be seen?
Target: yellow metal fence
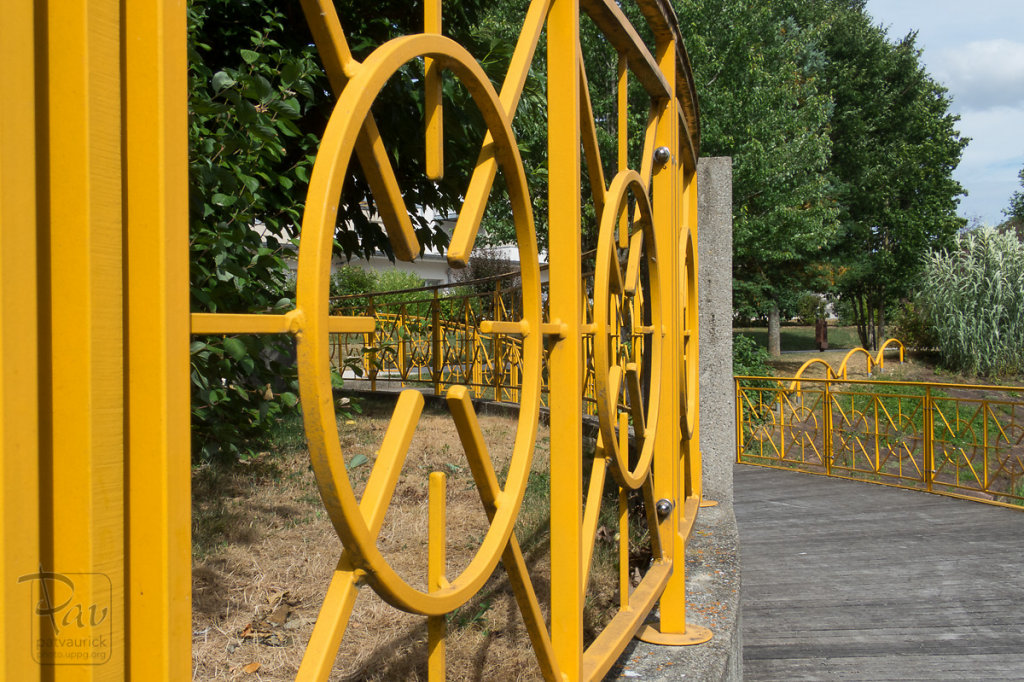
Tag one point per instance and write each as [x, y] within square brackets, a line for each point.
[95, 325]
[944, 438]
[623, 341]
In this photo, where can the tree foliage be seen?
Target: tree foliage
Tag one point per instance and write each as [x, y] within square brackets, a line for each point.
[258, 103]
[764, 102]
[843, 150]
[895, 146]
[1015, 212]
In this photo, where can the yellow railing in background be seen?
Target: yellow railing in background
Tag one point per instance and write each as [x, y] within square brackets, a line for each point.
[441, 336]
[952, 439]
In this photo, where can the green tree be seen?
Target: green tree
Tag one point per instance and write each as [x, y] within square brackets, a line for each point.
[895, 146]
[258, 102]
[1015, 212]
[758, 66]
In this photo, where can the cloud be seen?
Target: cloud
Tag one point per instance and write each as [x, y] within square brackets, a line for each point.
[983, 74]
[997, 137]
[991, 161]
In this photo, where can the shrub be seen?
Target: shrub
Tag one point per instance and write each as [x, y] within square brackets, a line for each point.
[975, 297]
[352, 279]
[912, 325]
[749, 358]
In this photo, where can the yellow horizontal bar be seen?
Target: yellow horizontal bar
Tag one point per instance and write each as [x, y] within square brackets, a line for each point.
[872, 382]
[504, 327]
[521, 328]
[289, 323]
[216, 323]
[350, 325]
[624, 38]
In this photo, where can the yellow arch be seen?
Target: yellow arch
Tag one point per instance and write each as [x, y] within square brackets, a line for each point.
[868, 363]
[829, 372]
[880, 358]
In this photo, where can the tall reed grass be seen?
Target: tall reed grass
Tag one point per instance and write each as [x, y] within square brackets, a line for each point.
[974, 293]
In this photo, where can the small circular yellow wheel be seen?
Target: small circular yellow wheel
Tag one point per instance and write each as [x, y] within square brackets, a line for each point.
[619, 327]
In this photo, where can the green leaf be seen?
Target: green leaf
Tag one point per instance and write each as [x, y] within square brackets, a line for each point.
[235, 348]
[289, 399]
[222, 80]
[357, 461]
[249, 56]
[289, 73]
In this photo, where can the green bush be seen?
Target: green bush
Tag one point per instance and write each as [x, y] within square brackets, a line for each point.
[352, 279]
[912, 325]
[749, 358]
[974, 293]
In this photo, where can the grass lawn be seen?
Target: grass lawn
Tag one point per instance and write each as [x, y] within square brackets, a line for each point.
[802, 338]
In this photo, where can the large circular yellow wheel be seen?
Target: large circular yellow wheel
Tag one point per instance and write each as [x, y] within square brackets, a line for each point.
[312, 324]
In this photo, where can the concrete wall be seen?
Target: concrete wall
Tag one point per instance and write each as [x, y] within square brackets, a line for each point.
[717, 404]
[714, 273]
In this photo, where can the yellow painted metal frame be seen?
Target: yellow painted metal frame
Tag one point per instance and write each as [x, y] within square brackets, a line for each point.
[95, 469]
[95, 465]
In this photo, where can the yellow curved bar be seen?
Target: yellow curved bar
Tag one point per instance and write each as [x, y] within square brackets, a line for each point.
[867, 363]
[880, 358]
[829, 372]
[314, 376]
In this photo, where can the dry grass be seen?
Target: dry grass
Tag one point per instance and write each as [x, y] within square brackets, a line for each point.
[264, 551]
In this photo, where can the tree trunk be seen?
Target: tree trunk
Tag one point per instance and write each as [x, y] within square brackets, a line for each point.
[880, 334]
[860, 315]
[774, 344]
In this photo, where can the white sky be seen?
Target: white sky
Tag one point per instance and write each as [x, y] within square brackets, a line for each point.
[975, 49]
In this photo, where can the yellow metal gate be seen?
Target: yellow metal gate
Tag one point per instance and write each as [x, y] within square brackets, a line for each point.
[95, 324]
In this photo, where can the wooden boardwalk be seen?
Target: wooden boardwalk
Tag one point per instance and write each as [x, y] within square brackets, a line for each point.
[853, 581]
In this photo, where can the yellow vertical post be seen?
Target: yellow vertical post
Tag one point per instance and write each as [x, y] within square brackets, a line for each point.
[83, 390]
[371, 369]
[158, 596]
[693, 486]
[566, 358]
[437, 361]
[19, 387]
[436, 625]
[929, 439]
[668, 448]
[622, 106]
[738, 397]
[828, 428]
[623, 547]
[432, 106]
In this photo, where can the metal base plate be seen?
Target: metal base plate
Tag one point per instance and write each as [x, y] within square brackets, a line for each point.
[695, 634]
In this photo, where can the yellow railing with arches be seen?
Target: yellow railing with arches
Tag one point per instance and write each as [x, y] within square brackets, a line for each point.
[952, 439]
[436, 337]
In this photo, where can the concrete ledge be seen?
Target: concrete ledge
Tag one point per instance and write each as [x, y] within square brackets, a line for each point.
[712, 600]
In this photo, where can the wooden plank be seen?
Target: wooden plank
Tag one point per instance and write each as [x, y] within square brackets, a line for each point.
[848, 580]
